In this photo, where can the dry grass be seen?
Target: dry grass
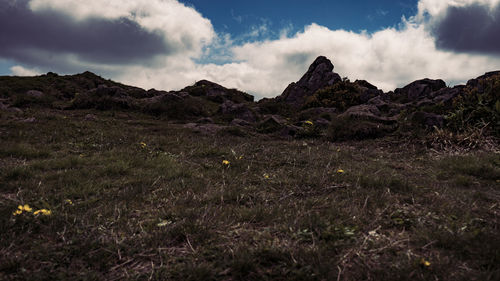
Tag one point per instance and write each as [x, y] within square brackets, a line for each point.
[169, 209]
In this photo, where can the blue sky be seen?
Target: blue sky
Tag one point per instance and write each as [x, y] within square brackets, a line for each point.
[238, 17]
[256, 46]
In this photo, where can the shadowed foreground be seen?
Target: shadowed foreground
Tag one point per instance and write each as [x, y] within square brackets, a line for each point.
[135, 197]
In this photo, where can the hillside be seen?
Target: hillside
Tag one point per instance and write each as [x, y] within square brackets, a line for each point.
[335, 108]
[331, 180]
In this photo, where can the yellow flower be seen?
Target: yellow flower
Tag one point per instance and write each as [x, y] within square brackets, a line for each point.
[17, 212]
[310, 123]
[27, 208]
[20, 207]
[425, 262]
[69, 201]
[225, 162]
[340, 171]
[143, 144]
[44, 212]
[266, 176]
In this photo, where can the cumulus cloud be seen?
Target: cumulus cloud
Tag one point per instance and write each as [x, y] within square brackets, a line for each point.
[166, 45]
[471, 28]
[18, 70]
[71, 33]
[389, 58]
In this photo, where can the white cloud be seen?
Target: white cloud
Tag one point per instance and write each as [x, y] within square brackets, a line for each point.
[389, 58]
[178, 24]
[18, 70]
[437, 8]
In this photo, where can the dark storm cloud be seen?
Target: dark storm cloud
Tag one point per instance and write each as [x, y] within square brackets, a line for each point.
[474, 28]
[35, 38]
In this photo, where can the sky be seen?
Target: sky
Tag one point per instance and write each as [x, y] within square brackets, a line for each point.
[256, 46]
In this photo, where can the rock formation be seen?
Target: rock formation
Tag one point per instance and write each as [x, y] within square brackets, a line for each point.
[319, 75]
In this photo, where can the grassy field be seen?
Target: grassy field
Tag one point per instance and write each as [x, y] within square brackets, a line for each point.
[128, 196]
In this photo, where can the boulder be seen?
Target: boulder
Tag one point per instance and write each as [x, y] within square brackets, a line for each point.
[206, 129]
[427, 119]
[445, 96]
[34, 94]
[271, 124]
[319, 75]
[205, 120]
[240, 122]
[238, 110]
[90, 117]
[368, 112]
[419, 89]
[217, 93]
[317, 112]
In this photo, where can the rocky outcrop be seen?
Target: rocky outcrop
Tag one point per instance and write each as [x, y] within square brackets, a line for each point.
[418, 89]
[238, 111]
[217, 93]
[319, 102]
[367, 112]
[319, 75]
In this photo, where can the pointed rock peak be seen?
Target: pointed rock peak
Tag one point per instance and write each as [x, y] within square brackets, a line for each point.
[323, 62]
[320, 74]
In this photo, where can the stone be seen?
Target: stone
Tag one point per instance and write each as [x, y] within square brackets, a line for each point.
[29, 120]
[446, 96]
[238, 110]
[205, 120]
[319, 75]
[206, 129]
[427, 119]
[271, 124]
[90, 117]
[368, 112]
[240, 122]
[34, 94]
[419, 89]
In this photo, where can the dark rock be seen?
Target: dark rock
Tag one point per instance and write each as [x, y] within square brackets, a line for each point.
[240, 122]
[271, 124]
[206, 129]
[382, 102]
[103, 90]
[424, 102]
[367, 112]
[319, 75]
[35, 94]
[445, 96]
[217, 93]
[419, 89]
[317, 112]
[426, 119]
[368, 90]
[290, 131]
[321, 123]
[90, 117]
[347, 128]
[205, 120]
[15, 110]
[240, 111]
[366, 84]
[29, 120]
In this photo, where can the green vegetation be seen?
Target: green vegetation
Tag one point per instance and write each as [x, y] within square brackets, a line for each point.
[478, 107]
[133, 197]
[341, 95]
